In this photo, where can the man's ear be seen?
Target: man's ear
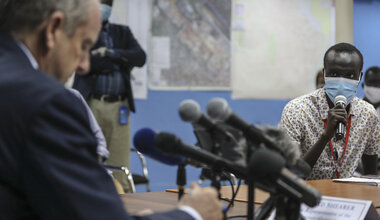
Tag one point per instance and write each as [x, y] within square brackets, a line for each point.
[54, 27]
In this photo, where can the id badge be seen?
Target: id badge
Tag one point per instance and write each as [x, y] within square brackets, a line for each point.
[123, 115]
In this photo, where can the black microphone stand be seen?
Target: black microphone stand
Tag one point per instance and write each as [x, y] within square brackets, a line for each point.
[251, 199]
[288, 208]
[265, 209]
[181, 179]
[215, 182]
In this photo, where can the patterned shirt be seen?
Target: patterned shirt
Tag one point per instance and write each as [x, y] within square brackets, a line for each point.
[303, 118]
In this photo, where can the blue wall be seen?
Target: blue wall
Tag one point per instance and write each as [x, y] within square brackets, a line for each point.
[160, 110]
[367, 32]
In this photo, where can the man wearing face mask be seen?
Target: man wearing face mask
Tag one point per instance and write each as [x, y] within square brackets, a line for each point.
[312, 120]
[108, 89]
[371, 87]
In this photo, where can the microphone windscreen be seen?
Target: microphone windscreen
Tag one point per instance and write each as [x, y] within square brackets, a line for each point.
[217, 108]
[264, 163]
[189, 111]
[303, 168]
[144, 140]
[144, 143]
[167, 143]
[289, 148]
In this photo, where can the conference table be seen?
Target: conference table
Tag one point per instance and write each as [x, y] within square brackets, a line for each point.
[163, 201]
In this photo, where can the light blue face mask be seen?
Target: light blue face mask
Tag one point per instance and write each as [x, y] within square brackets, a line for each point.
[106, 11]
[341, 86]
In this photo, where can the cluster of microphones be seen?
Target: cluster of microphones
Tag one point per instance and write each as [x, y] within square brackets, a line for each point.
[262, 156]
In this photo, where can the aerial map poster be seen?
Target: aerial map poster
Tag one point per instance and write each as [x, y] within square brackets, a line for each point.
[264, 49]
[190, 44]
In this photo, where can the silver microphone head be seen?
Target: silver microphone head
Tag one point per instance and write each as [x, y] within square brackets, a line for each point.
[189, 111]
[218, 109]
[340, 100]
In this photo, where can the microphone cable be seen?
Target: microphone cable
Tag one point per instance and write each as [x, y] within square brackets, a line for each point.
[231, 203]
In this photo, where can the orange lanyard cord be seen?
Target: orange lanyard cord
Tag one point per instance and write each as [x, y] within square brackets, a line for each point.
[345, 146]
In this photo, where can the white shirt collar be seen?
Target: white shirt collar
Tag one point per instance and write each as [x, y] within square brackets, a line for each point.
[28, 54]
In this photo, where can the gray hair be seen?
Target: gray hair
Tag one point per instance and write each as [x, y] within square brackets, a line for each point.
[24, 16]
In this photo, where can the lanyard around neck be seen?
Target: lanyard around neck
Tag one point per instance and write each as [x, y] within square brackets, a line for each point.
[336, 162]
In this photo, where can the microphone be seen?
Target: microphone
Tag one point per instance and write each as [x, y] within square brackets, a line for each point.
[289, 149]
[218, 108]
[190, 111]
[171, 144]
[341, 101]
[273, 138]
[144, 143]
[268, 167]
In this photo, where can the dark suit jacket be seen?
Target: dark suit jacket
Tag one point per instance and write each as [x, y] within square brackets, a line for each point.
[127, 54]
[48, 165]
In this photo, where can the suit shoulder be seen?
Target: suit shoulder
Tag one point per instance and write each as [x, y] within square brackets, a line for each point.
[43, 87]
[119, 27]
[29, 89]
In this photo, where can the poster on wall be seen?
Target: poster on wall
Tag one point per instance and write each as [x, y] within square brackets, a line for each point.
[262, 49]
[190, 45]
[278, 46]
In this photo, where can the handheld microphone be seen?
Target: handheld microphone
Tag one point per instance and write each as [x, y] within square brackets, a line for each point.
[170, 144]
[274, 139]
[341, 101]
[144, 143]
[190, 111]
[268, 167]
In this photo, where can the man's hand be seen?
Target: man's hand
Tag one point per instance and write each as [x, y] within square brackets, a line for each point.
[205, 201]
[101, 51]
[143, 212]
[336, 114]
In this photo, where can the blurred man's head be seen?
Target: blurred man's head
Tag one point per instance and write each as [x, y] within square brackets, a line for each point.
[58, 33]
[371, 84]
[320, 79]
[342, 69]
[372, 77]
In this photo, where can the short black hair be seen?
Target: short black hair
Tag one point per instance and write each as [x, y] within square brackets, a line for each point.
[372, 69]
[107, 2]
[344, 47]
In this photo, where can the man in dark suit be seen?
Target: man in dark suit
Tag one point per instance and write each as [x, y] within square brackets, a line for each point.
[107, 88]
[48, 161]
